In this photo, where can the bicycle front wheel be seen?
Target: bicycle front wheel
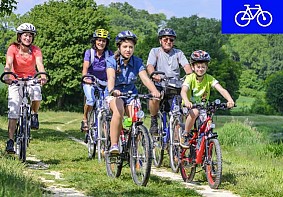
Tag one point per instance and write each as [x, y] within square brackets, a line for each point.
[187, 164]
[174, 150]
[158, 143]
[91, 138]
[213, 166]
[24, 135]
[141, 156]
[114, 163]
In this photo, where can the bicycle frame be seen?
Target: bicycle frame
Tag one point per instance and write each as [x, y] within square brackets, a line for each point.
[204, 148]
[135, 147]
[22, 132]
[248, 10]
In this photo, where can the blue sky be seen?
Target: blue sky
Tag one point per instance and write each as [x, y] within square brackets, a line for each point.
[177, 8]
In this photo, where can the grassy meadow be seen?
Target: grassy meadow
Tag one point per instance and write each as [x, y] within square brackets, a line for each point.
[251, 161]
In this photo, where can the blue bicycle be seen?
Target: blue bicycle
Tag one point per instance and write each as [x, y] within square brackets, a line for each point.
[169, 120]
[95, 137]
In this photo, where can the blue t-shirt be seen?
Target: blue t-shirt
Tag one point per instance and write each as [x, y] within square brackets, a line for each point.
[98, 67]
[127, 76]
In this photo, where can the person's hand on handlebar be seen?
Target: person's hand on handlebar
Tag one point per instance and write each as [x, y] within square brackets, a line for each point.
[156, 94]
[156, 78]
[43, 80]
[87, 80]
[115, 93]
[230, 104]
[8, 80]
[188, 104]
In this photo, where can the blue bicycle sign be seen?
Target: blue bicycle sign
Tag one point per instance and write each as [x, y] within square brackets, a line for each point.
[243, 18]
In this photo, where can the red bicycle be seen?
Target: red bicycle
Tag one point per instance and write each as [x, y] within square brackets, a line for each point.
[204, 150]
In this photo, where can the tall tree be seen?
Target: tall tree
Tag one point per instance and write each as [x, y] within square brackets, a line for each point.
[64, 32]
[7, 7]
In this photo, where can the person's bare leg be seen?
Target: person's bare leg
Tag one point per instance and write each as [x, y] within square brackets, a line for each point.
[117, 107]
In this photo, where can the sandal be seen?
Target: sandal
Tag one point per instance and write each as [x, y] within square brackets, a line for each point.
[84, 126]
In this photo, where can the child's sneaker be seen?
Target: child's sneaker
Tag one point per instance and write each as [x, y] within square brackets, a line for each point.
[185, 140]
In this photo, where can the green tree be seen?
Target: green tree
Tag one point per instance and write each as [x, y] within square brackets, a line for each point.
[7, 7]
[64, 32]
[274, 93]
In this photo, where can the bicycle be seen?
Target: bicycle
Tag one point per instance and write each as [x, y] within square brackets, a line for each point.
[95, 138]
[204, 148]
[168, 123]
[263, 18]
[134, 145]
[22, 133]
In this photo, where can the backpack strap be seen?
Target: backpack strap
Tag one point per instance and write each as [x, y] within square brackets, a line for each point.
[91, 56]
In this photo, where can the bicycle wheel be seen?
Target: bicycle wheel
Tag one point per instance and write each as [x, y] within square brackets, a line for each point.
[114, 163]
[187, 165]
[101, 132]
[213, 166]
[24, 133]
[141, 156]
[91, 135]
[174, 150]
[158, 143]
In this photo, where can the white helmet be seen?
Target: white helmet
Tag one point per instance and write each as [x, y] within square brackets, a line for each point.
[26, 27]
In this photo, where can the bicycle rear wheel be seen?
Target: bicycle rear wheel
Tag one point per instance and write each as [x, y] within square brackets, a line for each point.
[213, 166]
[158, 143]
[114, 163]
[91, 138]
[187, 164]
[141, 156]
[175, 149]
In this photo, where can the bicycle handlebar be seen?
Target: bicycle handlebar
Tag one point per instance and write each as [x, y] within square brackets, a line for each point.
[210, 105]
[24, 78]
[95, 80]
[130, 94]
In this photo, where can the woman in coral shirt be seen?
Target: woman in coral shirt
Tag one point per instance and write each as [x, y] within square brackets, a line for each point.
[23, 59]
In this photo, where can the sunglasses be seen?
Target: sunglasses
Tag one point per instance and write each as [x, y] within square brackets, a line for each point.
[167, 39]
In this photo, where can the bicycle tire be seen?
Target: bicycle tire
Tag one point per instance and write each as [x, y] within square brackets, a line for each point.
[141, 156]
[187, 165]
[114, 163]
[23, 144]
[91, 144]
[174, 149]
[101, 133]
[158, 143]
[213, 166]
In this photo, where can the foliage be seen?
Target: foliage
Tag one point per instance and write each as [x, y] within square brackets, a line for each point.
[250, 84]
[64, 31]
[3, 100]
[274, 93]
[7, 6]
[260, 106]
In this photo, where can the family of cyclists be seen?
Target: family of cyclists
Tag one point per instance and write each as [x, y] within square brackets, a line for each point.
[120, 70]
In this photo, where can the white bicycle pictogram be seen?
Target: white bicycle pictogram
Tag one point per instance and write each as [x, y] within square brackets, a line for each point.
[243, 18]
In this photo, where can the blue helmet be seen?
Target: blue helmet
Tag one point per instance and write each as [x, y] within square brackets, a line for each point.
[167, 32]
[123, 35]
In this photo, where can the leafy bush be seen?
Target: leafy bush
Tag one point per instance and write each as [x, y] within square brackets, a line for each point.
[260, 106]
[3, 100]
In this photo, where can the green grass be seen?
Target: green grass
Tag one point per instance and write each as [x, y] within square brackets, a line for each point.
[252, 164]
